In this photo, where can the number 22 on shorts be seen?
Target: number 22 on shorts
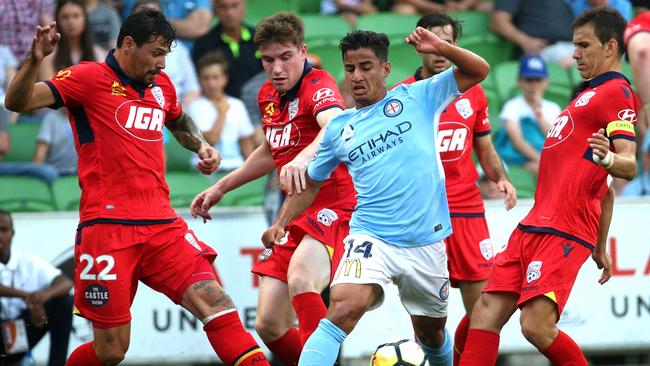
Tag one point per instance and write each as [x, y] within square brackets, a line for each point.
[104, 275]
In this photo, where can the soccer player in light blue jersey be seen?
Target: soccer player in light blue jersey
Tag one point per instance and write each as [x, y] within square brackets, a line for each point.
[388, 144]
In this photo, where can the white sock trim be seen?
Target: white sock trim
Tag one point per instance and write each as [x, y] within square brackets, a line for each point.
[205, 321]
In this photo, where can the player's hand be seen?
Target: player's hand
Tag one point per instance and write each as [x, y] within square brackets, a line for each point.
[604, 262]
[293, 176]
[599, 143]
[210, 159]
[425, 41]
[509, 193]
[44, 41]
[273, 235]
[203, 201]
[533, 46]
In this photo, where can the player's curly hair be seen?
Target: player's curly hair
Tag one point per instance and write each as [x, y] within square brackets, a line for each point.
[377, 42]
[607, 22]
[145, 26]
[283, 27]
[440, 20]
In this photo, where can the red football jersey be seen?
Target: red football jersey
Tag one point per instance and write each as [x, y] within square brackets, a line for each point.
[117, 126]
[465, 118]
[290, 125]
[639, 24]
[570, 185]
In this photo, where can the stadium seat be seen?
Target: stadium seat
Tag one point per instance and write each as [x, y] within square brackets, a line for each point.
[402, 56]
[22, 141]
[183, 186]
[559, 95]
[25, 194]
[396, 26]
[558, 75]
[177, 158]
[522, 180]
[257, 10]
[250, 194]
[489, 46]
[494, 108]
[66, 193]
[473, 22]
[309, 7]
[324, 29]
[505, 79]
[330, 56]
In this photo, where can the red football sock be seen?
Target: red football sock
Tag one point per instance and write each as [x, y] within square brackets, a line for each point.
[481, 348]
[232, 343]
[565, 352]
[310, 309]
[460, 338]
[287, 347]
[84, 355]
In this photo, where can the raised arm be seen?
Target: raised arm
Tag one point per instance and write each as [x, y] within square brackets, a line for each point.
[493, 168]
[188, 135]
[24, 93]
[470, 69]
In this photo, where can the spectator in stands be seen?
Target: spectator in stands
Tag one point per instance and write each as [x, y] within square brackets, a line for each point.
[8, 65]
[347, 9]
[526, 118]
[222, 119]
[76, 42]
[436, 6]
[55, 143]
[235, 40]
[178, 63]
[537, 27]
[34, 296]
[19, 19]
[640, 186]
[622, 6]
[103, 23]
[190, 18]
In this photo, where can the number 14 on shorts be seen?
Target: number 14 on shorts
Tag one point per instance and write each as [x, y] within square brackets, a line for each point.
[354, 253]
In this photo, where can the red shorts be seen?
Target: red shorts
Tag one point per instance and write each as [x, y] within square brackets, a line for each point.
[328, 226]
[536, 264]
[469, 250]
[111, 258]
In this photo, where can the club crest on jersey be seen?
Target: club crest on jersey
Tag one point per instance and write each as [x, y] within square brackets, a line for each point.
[117, 89]
[293, 108]
[140, 121]
[393, 108]
[487, 251]
[444, 291]
[584, 99]
[327, 216]
[158, 95]
[464, 108]
[534, 271]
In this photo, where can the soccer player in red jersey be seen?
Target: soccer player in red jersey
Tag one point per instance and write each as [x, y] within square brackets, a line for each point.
[296, 103]
[572, 206]
[464, 124]
[637, 40]
[128, 230]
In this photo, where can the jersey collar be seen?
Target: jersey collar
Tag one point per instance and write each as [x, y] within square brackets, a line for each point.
[291, 94]
[600, 80]
[111, 61]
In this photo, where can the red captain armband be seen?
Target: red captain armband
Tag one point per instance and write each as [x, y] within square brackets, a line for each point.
[639, 24]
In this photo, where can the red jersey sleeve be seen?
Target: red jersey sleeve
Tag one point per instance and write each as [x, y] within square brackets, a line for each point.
[322, 93]
[639, 24]
[482, 123]
[619, 115]
[71, 86]
[169, 91]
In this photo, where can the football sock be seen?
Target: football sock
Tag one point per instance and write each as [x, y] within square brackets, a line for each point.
[288, 347]
[460, 338]
[565, 352]
[232, 343]
[322, 348]
[310, 309]
[481, 348]
[84, 355]
[441, 356]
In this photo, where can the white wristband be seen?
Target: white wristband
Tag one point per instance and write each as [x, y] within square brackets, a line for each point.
[605, 162]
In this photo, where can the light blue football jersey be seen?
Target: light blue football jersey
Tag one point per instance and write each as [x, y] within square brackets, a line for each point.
[390, 150]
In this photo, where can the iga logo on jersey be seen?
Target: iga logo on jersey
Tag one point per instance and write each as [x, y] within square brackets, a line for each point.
[584, 99]
[142, 122]
[283, 136]
[560, 130]
[452, 140]
[464, 108]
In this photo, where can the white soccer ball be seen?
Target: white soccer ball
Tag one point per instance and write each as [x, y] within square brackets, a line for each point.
[400, 353]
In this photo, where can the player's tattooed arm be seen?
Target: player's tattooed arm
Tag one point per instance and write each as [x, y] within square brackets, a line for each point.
[186, 133]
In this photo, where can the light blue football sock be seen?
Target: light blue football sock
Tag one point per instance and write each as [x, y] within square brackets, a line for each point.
[322, 347]
[442, 356]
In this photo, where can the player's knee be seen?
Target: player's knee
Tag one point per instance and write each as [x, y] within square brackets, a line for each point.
[111, 354]
[536, 332]
[346, 313]
[268, 328]
[301, 281]
[433, 337]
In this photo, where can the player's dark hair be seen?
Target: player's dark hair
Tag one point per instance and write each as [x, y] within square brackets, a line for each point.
[8, 215]
[63, 54]
[607, 22]
[212, 58]
[440, 20]
[145, 26]
[283, 27]
[377, 42]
